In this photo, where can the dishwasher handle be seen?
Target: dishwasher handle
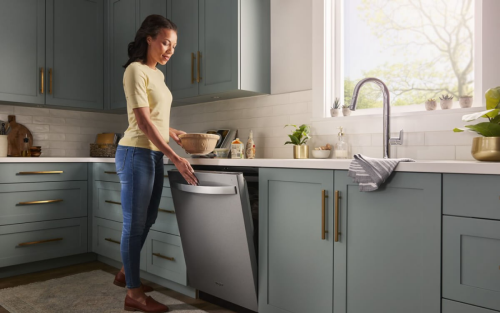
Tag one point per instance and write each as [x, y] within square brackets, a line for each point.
[206, 190]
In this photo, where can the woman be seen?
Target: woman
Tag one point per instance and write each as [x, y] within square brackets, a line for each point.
[139, 156]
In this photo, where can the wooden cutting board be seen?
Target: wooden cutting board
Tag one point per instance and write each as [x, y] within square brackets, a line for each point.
[15, 138]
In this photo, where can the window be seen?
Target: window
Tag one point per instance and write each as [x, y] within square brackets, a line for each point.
[419, 48]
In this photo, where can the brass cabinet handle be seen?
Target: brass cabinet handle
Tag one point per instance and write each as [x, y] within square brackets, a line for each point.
[40, 172]
[164, 257]
[113, 202]
[41, 201]
[37, 242]
[113, 241]
[50, 81]
[42, 73]
[166, 176]
[167, 211]
[323, 213]
[198, 77]
[193, 57]
[337, 205]
[109, 172]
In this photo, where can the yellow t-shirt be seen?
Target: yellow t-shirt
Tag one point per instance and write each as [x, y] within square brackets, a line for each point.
[145, 87]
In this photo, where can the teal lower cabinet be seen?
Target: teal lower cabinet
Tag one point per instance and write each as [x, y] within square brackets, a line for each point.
[457, 307]
[471, 260]
[388, 254]
[29, 242]
[295, 241]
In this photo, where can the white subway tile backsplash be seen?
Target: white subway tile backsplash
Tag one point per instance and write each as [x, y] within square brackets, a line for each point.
[449, 138]
[7, 109]
[65, 113]
[64, 129]
[463, 153]
[18, 110]
[25, 119]
[49, 120]
[426, 152]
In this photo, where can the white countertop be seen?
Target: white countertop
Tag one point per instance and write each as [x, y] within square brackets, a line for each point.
[464, 167]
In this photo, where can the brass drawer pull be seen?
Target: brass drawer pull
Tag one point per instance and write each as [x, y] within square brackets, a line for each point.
[167, 211]
[37, 242]
[323, 213]
[109, 172]
[164, 257]
[113, 241]
[337, 222]
[198, 77]
[113, 202]
[166, 176]
[40, 172]
[192, 67]
[40, 201]
[50, 81]
[42, 87]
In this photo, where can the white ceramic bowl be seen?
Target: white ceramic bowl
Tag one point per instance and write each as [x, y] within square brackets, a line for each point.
[199, 144]
[320, 154]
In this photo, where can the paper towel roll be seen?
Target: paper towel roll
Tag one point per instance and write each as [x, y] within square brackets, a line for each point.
[4, 144]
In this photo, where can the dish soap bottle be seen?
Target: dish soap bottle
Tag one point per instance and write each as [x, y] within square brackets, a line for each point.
[237, 149]
[250, 150]
[25, 152]
[341, 147]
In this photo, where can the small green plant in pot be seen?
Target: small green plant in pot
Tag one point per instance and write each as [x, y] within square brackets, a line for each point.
[486, 148]
[298, 138]
[336, 107]
[446, 102]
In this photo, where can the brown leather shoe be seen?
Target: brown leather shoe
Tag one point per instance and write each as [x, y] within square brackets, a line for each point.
[151, 305]
[120, 282]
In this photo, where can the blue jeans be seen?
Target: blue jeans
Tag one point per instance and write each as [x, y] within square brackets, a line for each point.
[141, 177]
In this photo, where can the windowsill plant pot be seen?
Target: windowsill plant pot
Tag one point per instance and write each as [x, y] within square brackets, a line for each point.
[346, 111]
[430, 105]
[335, 110]
[301, 152]
[465, 101]
[298, 139]
[486, 149]
[446, 102]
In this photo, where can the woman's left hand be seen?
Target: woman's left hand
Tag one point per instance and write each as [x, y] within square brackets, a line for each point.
[174, 134]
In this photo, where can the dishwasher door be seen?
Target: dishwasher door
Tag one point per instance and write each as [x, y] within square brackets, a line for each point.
[216, 230]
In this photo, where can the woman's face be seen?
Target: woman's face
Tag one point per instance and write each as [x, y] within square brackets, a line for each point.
[163, 46]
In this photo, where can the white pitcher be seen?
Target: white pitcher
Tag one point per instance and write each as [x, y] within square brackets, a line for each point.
[3, 145]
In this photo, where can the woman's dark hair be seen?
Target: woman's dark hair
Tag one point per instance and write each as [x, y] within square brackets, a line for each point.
[138, 49]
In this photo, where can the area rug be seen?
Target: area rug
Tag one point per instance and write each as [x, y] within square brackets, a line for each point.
[81, 293]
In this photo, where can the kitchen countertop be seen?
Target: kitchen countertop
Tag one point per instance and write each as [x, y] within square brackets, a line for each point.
[464, 167]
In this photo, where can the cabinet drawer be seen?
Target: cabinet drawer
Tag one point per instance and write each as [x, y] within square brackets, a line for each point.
[30, 202]
[42, 172]
[167, 220]
[472, 195]
[457, 307]
[471, 259]
[107, 172]
[107, 239]
[23, 243]
[165, 257]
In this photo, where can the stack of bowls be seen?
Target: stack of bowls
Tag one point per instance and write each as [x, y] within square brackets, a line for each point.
[35, 151]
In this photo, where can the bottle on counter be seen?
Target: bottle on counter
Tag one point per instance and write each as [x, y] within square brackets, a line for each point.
[250, 149]
[25, 152]
[237, 149]
[341, 147]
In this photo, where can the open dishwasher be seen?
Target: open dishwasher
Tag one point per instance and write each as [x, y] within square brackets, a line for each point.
[217, 226]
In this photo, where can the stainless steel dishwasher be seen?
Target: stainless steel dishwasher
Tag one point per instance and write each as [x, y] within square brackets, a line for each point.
[219, 238]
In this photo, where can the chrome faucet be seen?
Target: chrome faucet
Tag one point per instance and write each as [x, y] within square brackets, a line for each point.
[387, 140]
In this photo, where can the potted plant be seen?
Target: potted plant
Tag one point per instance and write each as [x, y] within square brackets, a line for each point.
[335, 110]
[446, 102]
[430, 104]
[487, 147]
[346, 110]
[465, 101]
[298, 138]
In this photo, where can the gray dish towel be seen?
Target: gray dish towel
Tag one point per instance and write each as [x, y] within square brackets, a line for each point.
[370, 173]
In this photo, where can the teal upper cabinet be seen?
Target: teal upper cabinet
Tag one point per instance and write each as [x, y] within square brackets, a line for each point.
[52, 52]
[295, 241]
[22, 50]
[74, 61]
[124, 17]
[387, 258]
[227, 56]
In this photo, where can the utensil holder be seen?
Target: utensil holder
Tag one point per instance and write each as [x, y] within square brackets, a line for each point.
[4, 145]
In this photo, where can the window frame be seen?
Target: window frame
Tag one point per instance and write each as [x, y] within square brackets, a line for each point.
[328, 72]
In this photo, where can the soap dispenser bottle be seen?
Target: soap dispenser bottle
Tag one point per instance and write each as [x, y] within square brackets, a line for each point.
[341, 147]
[25, 152]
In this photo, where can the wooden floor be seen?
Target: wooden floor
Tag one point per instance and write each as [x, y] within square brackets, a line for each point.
[75, 269]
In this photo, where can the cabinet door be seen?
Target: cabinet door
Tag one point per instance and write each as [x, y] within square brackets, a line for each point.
[181, 69]
[219, 46]
[122, 27]
[75, 53]
[387, 258]
[22, 50]
[471, 259]
[295, 263]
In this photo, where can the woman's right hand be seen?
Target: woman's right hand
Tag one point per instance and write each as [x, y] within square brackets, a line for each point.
[186, 171]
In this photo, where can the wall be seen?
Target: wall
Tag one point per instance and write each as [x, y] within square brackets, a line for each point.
[428, 135]
[64, 132]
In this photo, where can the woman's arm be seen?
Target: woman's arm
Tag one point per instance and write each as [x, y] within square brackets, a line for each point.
[149, 129]
[174, 134]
